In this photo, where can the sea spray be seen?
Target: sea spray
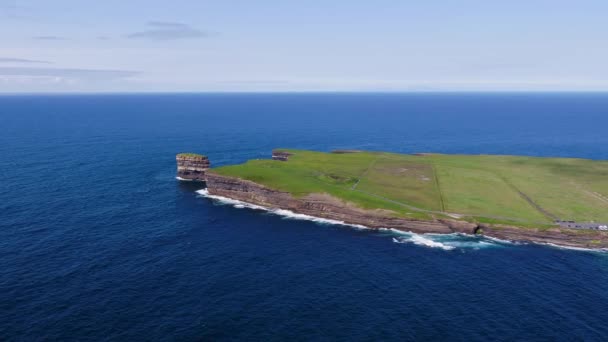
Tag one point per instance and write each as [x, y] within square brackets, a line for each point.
[183, 179]
[445, 242]
[580, 249]
[280, 212]
[423, 241]
[448, 241]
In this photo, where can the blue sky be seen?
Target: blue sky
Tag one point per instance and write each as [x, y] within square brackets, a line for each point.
[268, 45]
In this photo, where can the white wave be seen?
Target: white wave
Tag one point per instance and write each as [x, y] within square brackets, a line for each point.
[502, 241]
[188, 180]
[448, 242]
[423, 241]
[444, 241]
[280, 212]
[433, 240]
[230, 201]
[580, 249]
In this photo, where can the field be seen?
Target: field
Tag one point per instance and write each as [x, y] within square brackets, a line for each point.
[500, 189]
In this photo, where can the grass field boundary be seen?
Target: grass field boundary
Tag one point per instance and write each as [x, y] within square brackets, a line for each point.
[436, 177]
[529, 200]
[426, 211]
[373, 162]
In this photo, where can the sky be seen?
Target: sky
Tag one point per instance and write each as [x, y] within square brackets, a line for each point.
[291, 45]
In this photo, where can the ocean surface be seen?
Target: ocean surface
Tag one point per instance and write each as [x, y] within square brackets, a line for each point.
[99, 241]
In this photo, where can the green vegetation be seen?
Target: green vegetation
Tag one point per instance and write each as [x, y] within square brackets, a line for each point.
[514, 190]
[191, 155]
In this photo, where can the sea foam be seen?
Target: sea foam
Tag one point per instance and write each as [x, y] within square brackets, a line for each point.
[420, 240]
[580, 249]
[445, 242]
[186, 180]
[280, 212]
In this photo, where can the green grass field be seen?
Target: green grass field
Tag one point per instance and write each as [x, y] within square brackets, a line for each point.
[499, 189]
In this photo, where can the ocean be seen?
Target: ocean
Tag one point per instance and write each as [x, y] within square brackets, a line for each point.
[99, 241]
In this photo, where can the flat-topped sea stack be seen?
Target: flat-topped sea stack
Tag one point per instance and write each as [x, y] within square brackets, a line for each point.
[192, 166]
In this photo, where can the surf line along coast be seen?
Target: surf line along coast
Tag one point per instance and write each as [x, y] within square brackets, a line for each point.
[421, 193]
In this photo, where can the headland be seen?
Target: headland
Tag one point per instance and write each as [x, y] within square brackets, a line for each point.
[559, 201]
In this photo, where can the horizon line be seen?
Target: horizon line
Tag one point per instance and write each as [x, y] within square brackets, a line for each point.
[287, 92]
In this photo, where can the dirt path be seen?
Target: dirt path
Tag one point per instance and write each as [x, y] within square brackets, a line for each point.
[364, 173]
[530, 201]
[441, 202]
[598, 196]
[593, 194]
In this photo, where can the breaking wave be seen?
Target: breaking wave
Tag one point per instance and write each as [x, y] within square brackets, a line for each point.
[288, 214]
[446, 242]
[580, 249]
[422, 241]
[186, 180]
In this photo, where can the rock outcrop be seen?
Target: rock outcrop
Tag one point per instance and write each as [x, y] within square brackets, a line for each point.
[280, 155]
[325, 206]
[191, 166]
[345, 151]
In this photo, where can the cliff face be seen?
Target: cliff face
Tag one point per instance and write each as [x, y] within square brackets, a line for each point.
[192, 167]
[325, 206]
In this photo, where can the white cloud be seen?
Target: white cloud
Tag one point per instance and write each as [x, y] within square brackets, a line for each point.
[22, 61]
[161, 30]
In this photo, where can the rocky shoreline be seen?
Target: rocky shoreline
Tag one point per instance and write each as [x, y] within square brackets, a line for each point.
[327, 207]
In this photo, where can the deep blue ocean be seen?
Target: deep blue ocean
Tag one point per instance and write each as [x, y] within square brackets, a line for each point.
[99, 241]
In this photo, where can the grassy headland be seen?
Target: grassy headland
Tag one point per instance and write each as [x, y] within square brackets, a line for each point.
[526, 191]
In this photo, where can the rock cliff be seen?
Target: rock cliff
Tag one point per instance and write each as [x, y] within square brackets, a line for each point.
[325, 206]
[192, 166]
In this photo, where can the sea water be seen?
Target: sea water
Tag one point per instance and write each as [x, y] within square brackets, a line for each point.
[99, 241]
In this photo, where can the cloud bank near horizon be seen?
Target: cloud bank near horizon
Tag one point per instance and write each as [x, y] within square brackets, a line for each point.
[162, 30]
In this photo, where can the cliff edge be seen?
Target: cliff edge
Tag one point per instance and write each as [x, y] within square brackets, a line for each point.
[326, 206]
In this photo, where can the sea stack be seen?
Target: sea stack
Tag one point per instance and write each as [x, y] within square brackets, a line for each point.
[192, 166]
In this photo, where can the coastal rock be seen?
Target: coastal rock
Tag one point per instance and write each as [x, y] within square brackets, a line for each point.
[345, 151]
[318, 205]
[326, 206]
[576, 238]
[280, 155]
[191, 166]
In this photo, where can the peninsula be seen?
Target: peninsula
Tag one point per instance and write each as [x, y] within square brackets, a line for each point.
[562, 201]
